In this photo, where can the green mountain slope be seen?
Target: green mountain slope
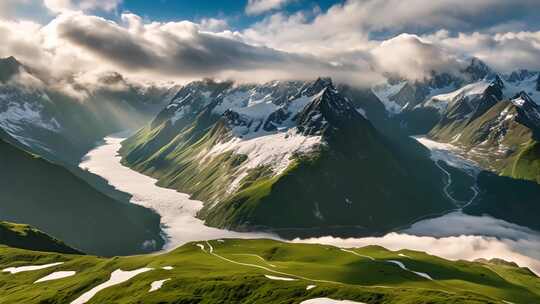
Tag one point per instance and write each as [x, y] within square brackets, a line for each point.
[236, 271]
[54, 200]
[497, 130]
[355, 181]
[30, 238]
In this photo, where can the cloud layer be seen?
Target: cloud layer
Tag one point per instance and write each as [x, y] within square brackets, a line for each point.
[457, 236]
[256, 7]
[356, 42]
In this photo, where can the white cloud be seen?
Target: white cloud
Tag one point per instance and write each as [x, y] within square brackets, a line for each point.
[59, 6]
[457, 236]
[256, 7]
[408, 56]
[504, 51]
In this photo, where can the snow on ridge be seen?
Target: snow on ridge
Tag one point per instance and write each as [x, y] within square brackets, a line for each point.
[442, 101]
[262, 148]
[274, 149]
[17, 115]
[385, 92]
[528, 86]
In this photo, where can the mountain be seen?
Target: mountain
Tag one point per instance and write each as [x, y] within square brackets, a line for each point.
[60, 127]
[398, 94]
[270, 271]
[297, 158]
[54, 200]
[29, 238]
[499, 131]
[9, 67]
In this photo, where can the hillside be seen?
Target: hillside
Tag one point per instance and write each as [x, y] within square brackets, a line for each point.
[62, 127]
[297, 158]
[263, 271]
[57, 202]
[29, 238]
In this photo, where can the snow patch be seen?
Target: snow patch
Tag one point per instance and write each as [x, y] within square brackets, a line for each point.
[56, 275]
[117, 277]
[157, 285]
[274, 149]
[310, 287]
[14, 270]
[402, 266]
[279, 278]
[329, 301]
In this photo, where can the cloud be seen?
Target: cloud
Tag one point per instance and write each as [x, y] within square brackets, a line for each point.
[184, 49]
[504, 51]
[60, 6]
[336, 43]
[457, 236]
[351, 24]
[257, 7]
[408, 56]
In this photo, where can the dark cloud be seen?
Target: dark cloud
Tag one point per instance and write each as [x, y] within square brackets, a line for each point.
[180, 50]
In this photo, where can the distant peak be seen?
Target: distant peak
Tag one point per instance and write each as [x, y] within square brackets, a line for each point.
[522, 99]
[324, 81]
[8, 68]
[317, 86]
[497, 81]
[477, 69]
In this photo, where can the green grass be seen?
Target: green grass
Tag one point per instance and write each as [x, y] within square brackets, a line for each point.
[28, 237]
[526, 165]
[202, 277]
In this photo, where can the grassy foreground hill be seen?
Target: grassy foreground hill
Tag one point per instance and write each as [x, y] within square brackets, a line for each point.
[27, 237]
[265, 271]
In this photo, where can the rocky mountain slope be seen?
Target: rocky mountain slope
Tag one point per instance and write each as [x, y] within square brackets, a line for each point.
[398, 95]
[262, 271]
[298, 158]
[495, 121]
[60, 127]
[29, 238]
[54, 200]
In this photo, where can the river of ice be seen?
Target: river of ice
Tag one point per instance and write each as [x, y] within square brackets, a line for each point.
[453, 236]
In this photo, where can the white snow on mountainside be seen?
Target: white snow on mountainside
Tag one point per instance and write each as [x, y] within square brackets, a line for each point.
[386, 93]
[22, 113]
[251, 137]
[468, 92]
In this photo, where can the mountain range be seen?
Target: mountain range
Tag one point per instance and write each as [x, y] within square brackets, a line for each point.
[303, 158]
[292, 157]
[297, 158]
